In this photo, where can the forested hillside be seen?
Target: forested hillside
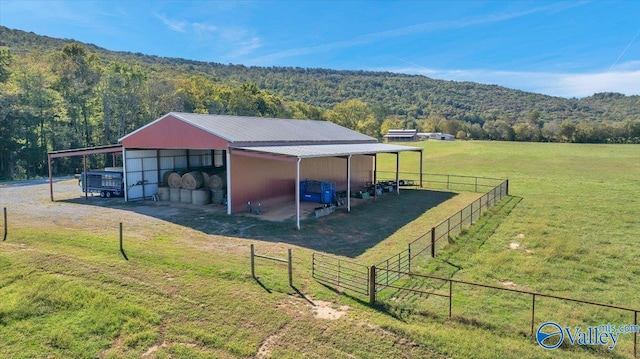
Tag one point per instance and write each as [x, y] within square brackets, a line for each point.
[59, 94]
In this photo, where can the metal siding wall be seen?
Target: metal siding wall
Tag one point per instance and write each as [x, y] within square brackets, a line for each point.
[261, 180]
[200, 158]
[168, 160]
[218, 158]
[335, 170]
[150, 165]
[142, 176]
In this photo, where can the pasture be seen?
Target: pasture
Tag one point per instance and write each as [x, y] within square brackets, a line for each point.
[186, 290]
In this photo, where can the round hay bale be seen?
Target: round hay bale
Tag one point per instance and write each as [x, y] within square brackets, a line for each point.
[217, 195]
[192, 180]
[205, 179]
[185, 195]
[174, 194]
[163, 193]
[218, 181]
[174, 180]
[165, 177]
[200, 196]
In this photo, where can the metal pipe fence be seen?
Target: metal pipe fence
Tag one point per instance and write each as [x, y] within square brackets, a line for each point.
[459, 221]
[443, 181]
[400, 262]
[450, 295]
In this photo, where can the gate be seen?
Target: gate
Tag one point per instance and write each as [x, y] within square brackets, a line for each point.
[340, 274]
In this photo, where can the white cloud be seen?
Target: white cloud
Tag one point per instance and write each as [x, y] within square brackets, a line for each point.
[238, 40]
[407, 30]
[580, 85]
[625, 81]
[246, 47]
[174, 25]
[203, 28]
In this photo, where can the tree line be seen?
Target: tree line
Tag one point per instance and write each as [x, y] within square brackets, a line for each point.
[73, 97]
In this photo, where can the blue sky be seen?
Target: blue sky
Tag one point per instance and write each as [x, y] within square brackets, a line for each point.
[568, 49]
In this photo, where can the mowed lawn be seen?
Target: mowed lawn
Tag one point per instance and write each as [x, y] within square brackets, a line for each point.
[570, 230]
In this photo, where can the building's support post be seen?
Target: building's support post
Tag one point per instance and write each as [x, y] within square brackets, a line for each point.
[397, 172]
[124, 174]
[50, 177]
[349, 183]
[158, 169]
[228, 158]
[298, 193]
[421, 168]
[375, 170]
[85, 184]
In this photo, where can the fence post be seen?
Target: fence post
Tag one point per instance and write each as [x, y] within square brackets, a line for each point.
[471, 224]
[448, 181]
[409, 258]
[476, 184]
[372, 285]
[4, 238]
[121, 246]
[253, 271]
[450, 297]
[635, 336]
[433, 242]
[533, 312]
[290, 268]
[507, 192]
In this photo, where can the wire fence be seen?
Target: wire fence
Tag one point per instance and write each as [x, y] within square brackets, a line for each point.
[380, 275]
[459, 221]
[440, 181]
[355, 276]
[384, 275]
[394, 267]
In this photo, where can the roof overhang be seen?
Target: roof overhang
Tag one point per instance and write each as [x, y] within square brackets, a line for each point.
[85, 151]
[315, 151]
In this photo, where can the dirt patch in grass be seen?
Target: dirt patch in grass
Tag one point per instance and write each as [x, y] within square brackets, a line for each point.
[508, 283]
[324, 310]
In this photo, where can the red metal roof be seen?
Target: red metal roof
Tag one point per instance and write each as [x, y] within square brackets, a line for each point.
[201, 131]
[170, 132]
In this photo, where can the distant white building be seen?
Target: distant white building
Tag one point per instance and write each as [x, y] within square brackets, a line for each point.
[436, 136]
[401, 135]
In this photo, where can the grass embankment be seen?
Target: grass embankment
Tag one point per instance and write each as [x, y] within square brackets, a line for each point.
[65, 290]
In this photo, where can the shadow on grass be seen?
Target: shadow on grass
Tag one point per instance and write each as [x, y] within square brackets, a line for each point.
[341, 233]
[303, 296]
[262, 285]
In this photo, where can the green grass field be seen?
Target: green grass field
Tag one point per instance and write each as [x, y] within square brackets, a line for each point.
[570, 230]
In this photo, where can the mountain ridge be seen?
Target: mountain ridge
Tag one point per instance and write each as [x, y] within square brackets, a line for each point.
[405, 95]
